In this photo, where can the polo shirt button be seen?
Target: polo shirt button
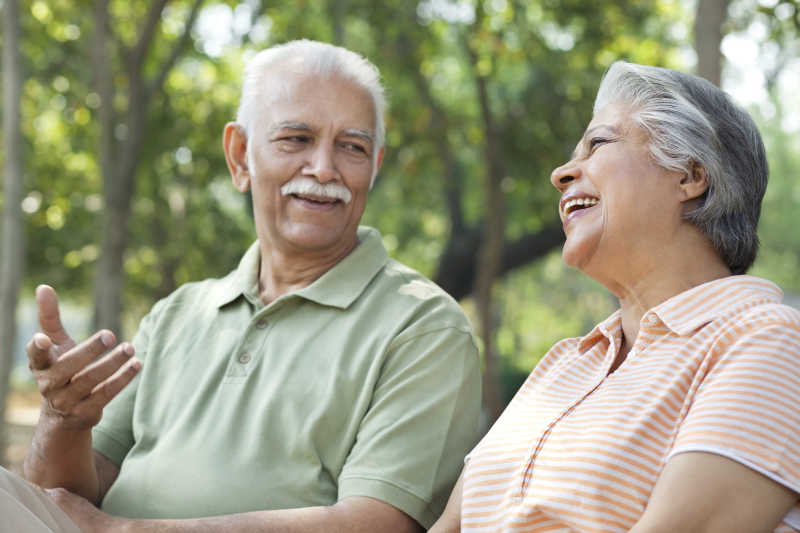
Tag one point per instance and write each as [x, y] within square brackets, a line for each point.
[244, 358]
[261, 324]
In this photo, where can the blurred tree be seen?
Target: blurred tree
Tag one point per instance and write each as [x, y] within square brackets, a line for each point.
[120, 155]
[779, 254]
[499, 94]
[708, 23]
[486, 98]
[13, 244]
[490, 252]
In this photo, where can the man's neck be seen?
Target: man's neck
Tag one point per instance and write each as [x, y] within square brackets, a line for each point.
[282, 273]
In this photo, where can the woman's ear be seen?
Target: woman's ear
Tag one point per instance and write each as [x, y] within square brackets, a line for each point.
[234, 143]
[694, 183]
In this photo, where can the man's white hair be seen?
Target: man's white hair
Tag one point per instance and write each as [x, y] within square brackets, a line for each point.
[316, 58]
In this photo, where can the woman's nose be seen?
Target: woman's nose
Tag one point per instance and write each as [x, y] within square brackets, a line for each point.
[562, 176]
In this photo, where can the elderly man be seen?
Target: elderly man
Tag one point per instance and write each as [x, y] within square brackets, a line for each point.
[321, 386]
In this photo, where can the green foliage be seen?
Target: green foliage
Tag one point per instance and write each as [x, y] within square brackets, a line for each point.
[779, 256]
[542, 62]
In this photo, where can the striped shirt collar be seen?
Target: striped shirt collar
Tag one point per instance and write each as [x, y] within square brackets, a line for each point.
[696, 307]
[338, 287]
[684, 313]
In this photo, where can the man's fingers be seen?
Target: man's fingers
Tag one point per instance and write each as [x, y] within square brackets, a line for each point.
[82, 355]
[53, 371]
[38, 350]
[105, 391]
[87, 379]
[49, 316]
[64, 397]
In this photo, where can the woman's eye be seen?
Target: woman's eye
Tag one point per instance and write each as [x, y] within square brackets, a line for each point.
[595, 142]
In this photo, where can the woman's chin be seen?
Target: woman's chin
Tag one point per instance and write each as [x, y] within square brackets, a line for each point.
[576, 256]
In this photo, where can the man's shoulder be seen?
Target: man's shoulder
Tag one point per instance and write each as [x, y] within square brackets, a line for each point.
[207, 293]
[405, 283]
[404, 292]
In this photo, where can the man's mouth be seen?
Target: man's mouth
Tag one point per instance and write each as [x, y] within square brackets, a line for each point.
[577, 204]
[316, 199]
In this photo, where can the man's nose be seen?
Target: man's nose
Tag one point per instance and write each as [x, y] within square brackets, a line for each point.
[322, 164]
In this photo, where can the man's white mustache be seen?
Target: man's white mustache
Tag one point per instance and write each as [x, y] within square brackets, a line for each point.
[311, 186]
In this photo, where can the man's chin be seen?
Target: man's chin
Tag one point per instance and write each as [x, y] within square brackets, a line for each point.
[319, 238]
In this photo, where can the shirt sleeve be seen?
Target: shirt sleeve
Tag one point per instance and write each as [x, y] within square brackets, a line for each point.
[422, 421]
[113, 436]
[747, 406]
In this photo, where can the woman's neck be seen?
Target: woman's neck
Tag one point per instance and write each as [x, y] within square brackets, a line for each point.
[691, 265]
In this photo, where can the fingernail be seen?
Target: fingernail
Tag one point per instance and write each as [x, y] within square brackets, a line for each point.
[40, 342]
[128, 349]
[107, 339]
[136, 365]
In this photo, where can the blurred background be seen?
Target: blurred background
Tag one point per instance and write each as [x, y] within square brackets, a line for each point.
[115, 189]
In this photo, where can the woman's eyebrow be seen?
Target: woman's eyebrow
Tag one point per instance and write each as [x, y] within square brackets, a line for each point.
[610, 127]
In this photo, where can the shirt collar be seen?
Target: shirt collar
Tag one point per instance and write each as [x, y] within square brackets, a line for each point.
[691, 309]
[338, 287]
[696, 307]
[610, 328]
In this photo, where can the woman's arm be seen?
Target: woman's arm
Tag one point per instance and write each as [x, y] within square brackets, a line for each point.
[450, 521]
[708, 493]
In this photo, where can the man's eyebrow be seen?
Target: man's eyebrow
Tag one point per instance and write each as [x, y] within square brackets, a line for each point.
[289, 125]
[611, 127]
[361, 134]
[302, 126]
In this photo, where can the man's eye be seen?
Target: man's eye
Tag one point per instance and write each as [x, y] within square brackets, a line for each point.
[296, 138]
[354, 147]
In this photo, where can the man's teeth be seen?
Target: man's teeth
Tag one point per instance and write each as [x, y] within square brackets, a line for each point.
[583, 202]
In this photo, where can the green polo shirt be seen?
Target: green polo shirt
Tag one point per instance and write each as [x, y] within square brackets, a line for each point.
[364, 383]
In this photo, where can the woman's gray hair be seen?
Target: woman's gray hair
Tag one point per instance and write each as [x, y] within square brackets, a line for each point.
[691, 122]
[315, 58]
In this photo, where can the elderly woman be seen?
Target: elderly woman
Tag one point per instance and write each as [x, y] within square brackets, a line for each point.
[681, 411]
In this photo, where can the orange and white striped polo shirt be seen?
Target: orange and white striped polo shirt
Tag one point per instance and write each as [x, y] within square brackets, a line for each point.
[714, 369]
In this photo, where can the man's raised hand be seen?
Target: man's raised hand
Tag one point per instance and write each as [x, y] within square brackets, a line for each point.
[76, 380]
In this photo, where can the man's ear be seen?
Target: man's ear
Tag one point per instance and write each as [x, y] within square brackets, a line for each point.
[378, 163]
[694, 183]
[234, 143]
[379, 160]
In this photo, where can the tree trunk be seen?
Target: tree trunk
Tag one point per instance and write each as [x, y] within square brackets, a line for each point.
[338, 12]
[12, 259]
[457, 267]
[709, 18]
[108, 278]
[120, 160]
[490, 254]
